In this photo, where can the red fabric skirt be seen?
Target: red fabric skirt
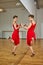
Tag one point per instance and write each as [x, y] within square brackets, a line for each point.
[30, 35]
[15, 37]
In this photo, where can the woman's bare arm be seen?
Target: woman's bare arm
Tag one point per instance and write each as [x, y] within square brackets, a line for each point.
[27, 27]
[15, 26]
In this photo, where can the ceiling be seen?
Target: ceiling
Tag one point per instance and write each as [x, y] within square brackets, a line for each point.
[40, 3]
[9, 4]
[12, 4]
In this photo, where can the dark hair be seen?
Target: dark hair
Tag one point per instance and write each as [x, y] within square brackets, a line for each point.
[15, 16]
[32, 16]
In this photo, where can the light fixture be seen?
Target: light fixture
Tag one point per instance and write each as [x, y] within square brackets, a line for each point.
[35, 2]
[1, 10]
[17, 4]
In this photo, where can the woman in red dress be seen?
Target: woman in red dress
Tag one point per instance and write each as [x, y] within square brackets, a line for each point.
[15, 35]
[30, 33]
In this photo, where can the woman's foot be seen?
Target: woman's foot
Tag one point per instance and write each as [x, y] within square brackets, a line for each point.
[33, 54]
[13, 53]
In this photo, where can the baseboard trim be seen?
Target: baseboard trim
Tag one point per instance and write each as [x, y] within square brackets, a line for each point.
[2, 38]
[24, 38]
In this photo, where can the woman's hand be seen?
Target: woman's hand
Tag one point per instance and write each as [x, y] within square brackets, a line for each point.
[22, 25]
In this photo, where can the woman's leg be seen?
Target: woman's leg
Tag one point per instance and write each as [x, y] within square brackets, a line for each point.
[14, 48]
[31, 49]
[12, 41]
[32, 42]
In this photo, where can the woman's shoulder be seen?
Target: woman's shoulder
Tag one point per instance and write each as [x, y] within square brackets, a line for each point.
[34, 23]
[13, 23]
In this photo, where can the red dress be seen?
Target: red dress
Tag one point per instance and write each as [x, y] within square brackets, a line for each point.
[15, 35]
[31, 34]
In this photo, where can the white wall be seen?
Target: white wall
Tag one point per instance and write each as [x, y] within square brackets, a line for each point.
[0, 27]
[40, 23]
[6, 19]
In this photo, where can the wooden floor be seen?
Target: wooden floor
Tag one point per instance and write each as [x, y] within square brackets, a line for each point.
[23, 53]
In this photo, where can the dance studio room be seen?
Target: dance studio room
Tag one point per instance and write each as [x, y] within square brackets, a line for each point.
[21, 32]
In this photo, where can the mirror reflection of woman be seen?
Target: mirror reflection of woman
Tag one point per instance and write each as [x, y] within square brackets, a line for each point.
[30, 33]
